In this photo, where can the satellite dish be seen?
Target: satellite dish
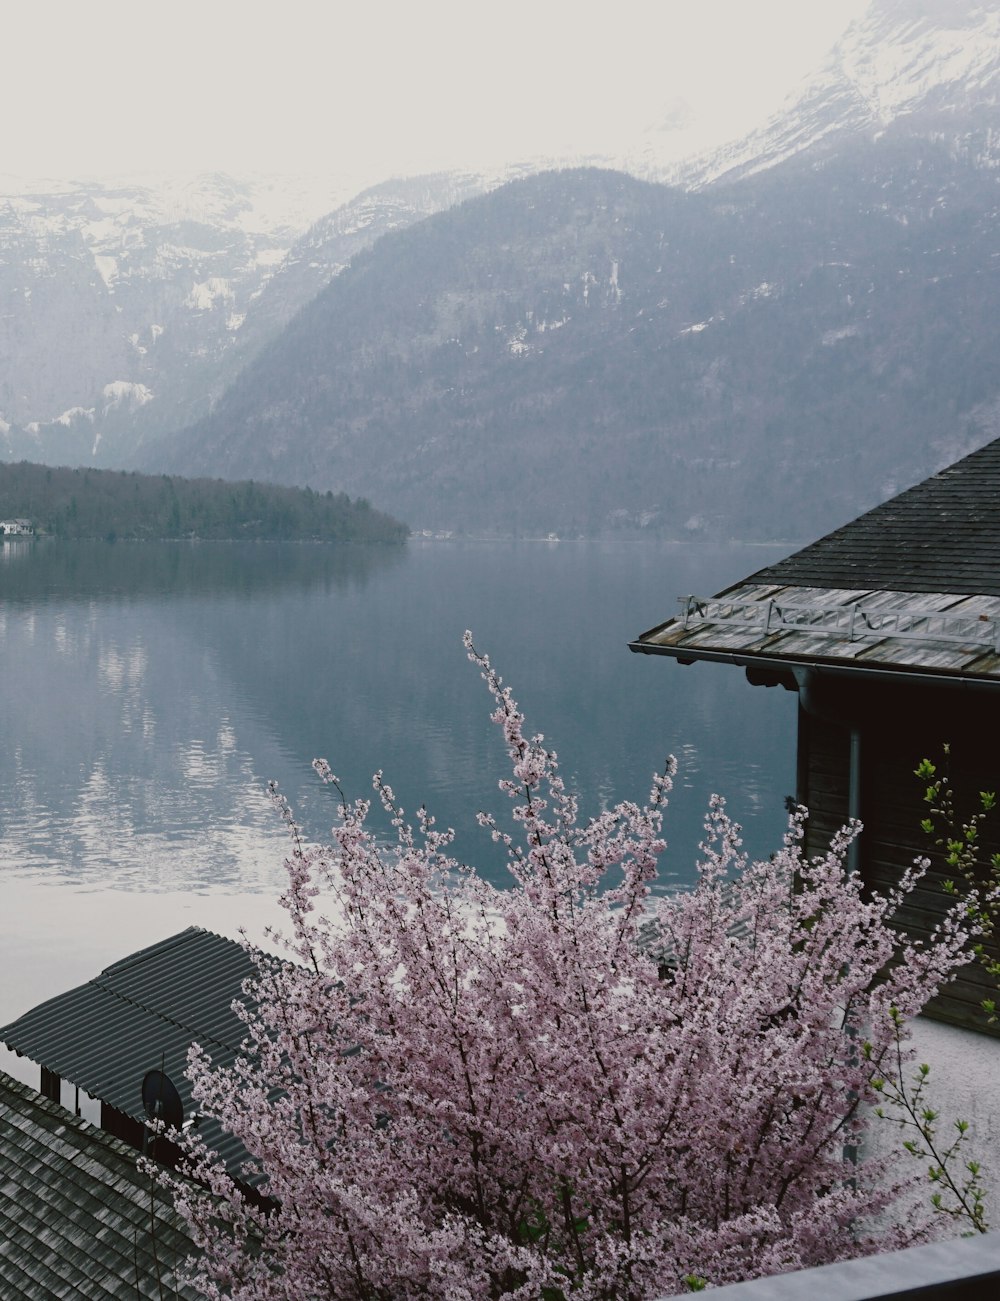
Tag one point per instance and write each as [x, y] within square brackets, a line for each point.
[160, 1099]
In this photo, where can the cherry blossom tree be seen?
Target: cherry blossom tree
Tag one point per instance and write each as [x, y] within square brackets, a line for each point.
[572, 1087]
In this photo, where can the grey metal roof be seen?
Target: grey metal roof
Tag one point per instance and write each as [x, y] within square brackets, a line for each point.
[75, 1211]
[941, 536]
[146, 1009]
[939, 632]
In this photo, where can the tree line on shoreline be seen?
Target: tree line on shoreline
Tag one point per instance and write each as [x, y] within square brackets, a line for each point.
[87, 503]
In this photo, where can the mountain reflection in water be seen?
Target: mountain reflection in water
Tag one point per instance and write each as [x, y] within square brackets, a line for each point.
[151, 690]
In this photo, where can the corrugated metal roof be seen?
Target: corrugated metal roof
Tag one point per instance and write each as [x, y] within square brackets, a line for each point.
[140, 1012]
[944, 632]
[75, 1212]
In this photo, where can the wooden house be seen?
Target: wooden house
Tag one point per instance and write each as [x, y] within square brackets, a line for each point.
[889, 631]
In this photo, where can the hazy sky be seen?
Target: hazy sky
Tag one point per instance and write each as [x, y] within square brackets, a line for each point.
[381, 86]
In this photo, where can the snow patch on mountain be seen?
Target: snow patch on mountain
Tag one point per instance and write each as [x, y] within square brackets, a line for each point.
[698, 327]
[107, 269]
[124, 393]
[270, 257]
[831, 337]
[203, 297]
[897, 62]
[70, 417]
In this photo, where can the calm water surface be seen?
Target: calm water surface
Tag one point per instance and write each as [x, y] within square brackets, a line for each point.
[150, 692]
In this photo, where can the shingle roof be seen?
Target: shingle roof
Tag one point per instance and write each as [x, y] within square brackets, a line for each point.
[146, 1009]
[941, 536]
[912, 586]
[75, 1211]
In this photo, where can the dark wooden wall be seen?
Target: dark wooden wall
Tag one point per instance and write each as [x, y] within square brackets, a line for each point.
[898, 727]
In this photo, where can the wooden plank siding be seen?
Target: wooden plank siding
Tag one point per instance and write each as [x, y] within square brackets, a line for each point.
[823, 753]
[898, 729]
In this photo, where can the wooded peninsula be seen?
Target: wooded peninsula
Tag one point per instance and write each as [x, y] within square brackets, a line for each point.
[111, 504]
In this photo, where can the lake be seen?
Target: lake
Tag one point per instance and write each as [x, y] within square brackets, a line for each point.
[152, 690]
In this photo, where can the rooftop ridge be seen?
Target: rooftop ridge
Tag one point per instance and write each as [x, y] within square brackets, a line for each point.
[164, 946]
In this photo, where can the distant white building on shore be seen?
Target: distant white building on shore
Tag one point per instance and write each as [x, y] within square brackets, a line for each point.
[16, 528]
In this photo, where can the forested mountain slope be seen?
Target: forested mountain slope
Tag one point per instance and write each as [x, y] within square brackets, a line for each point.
[129, 307]
[581, 351]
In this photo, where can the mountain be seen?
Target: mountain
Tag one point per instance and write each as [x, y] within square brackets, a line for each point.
[130, 306]
[808, 328]
[115, 291]
[581, 351]
[329, 245]
[915, 69]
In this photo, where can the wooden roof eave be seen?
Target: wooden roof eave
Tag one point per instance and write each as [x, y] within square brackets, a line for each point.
[794, 672]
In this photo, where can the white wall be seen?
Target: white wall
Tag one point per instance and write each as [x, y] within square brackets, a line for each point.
[963, 1084]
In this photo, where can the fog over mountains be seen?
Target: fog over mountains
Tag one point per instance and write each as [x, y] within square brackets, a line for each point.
[809, 325]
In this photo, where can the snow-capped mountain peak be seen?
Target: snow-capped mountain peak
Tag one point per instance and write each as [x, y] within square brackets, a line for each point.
[900, 60]
[902, 57]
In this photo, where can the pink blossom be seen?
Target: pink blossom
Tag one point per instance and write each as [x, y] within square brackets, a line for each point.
[566, 1086]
